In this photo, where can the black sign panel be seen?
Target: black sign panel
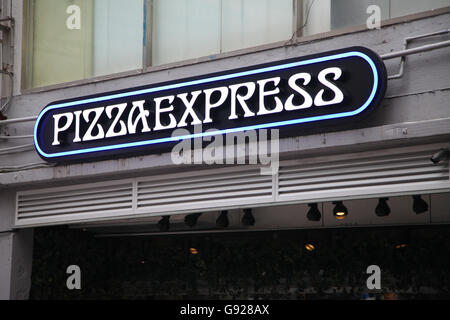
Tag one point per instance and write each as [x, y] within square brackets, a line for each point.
[286, 95]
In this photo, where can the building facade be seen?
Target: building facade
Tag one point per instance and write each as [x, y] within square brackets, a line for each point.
[59, 50]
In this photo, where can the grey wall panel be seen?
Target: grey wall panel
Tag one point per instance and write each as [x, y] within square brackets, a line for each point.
[422, 94]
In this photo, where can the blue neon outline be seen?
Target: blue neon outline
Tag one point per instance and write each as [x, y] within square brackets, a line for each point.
[202, 81]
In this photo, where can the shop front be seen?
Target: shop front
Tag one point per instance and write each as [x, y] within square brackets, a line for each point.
[207, 166]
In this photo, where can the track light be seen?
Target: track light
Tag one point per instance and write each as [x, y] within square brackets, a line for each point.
[313, 213]
[248, 219]
[441, 155]
[222, 220]
[419, 205]
[193, 251]
[340, 211]
[191, 219]
[382, 208]
[164, 223]
[402, 239]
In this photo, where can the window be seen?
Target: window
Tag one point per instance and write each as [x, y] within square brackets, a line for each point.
[185, 29]
[326, 15]
[67, 40]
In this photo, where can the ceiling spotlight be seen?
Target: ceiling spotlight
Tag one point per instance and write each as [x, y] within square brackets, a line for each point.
[222, 220]
[382, 208]
[248, 219]
[419, 205]
[191, 219]
[402, 238]
[310, 247]
[313, 213]
[340, 211]
[441, 155]
[164, 224]
[193, 251]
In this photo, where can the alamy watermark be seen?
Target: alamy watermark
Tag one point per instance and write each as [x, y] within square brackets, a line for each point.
[374, 19]
[74, 280]
[374, 280]
[245, 147]
[73, 21]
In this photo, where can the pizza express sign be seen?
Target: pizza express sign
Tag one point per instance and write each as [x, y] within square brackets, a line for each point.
[289, 95]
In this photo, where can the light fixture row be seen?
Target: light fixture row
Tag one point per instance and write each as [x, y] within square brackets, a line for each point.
[340, 211]
[247, 219]
[222, 221]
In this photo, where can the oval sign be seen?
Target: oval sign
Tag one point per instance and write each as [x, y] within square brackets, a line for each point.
[289, 95]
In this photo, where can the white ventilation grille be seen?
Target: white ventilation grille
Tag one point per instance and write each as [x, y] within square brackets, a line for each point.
[364, 175]
[204, 191]
[74, 202]
[374, 175]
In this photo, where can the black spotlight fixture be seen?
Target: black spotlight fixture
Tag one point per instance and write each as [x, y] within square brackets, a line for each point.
[222, 220]
[191, 219]
[441, 155]
[340, 211]
[247, 218]
[382, 208]
[313, 213]
[419, 205]
[164, 224]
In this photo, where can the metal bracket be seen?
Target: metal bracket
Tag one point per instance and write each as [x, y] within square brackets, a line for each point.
[6, 24]
[407, 51]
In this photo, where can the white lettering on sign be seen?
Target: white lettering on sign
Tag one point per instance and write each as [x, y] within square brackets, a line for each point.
[97, 113]
[251, 87]
[209, 105]
[141, 117]
[159, 110]
[338, 95]
[138, 119]
[263, 94]
[57, 126]
[123, 128]
[293, 84]
[189, 104]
